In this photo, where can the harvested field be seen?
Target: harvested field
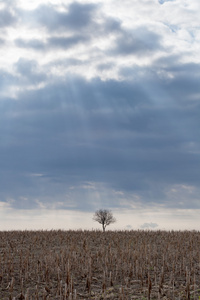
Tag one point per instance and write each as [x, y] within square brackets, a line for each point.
[95, 265]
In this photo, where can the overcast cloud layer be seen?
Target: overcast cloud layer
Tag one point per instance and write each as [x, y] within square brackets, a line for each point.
[100, 106]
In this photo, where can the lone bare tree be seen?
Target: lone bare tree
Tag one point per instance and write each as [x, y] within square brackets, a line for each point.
[104, 217]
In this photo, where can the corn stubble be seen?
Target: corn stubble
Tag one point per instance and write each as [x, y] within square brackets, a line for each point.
[94, 265]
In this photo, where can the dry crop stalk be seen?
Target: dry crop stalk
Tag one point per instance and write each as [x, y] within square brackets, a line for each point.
[149, 287]
[187, 284]
[121, 290]
[70, 296]
[104, 283]
[65, 291]
[194, 287]
[12, 284]
[75, 294]
[36, 292]
[27, 295]
[61, 290]
[111, 282]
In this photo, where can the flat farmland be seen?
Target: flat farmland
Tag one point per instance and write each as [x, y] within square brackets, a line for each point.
[96, 265]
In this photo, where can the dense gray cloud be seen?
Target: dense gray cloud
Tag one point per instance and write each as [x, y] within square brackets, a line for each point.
[2, 42]
[111, 25]
[7, 18]
[6, 80]
[113, 127]
[28, 70]
[66, 42]
[51, 43]
[32, 44]
[139, 41]
[105, 66]
[108, 26]
[76, 17]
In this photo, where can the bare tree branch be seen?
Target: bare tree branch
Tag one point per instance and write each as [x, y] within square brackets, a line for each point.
[104, 217]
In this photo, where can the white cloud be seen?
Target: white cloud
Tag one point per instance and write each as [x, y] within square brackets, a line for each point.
[4, 205]
[176, 22]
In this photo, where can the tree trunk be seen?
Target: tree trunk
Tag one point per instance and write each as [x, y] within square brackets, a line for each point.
[103, 227]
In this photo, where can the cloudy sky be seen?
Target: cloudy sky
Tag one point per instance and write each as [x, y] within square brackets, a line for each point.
[99, 108]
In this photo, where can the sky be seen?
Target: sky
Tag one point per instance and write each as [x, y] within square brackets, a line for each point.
[99, 108]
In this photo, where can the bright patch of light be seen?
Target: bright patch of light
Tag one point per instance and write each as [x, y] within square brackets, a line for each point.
[32, 4]
[162, 219]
